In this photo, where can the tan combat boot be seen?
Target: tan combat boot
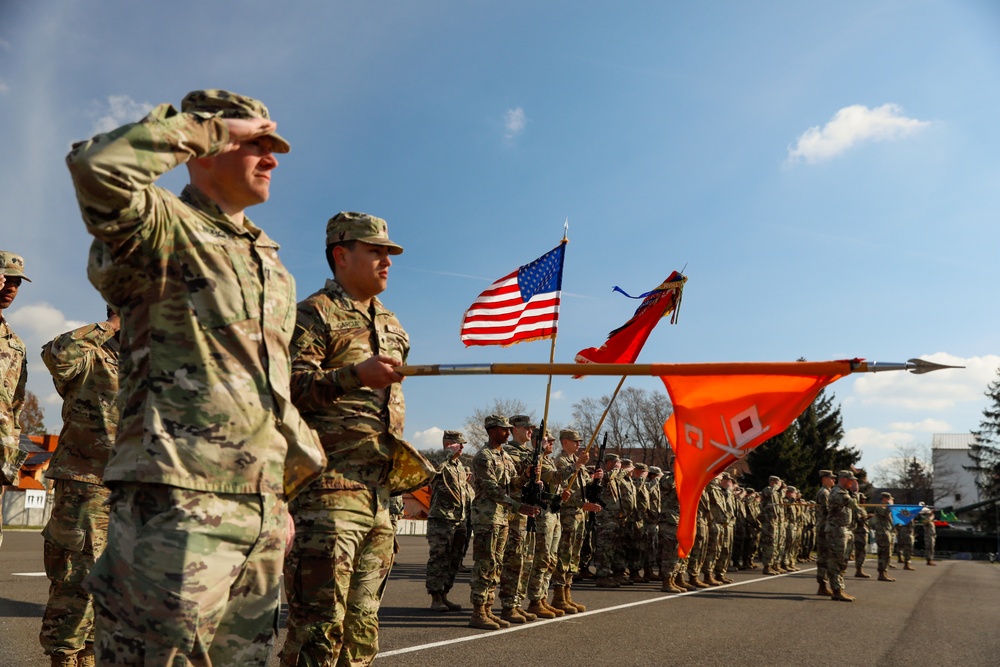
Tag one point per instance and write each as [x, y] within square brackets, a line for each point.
[882, 576]
[86, 657]
[930, 562]
[573, 603]
[480, 619]
[693, 580]
[560, 602]
[437, 604]
[528, 616]
[452, 606]
[861, 574]
[538, 609]
[823, 588]
[493, 617]
[907, 566]
[679, 581]
[719, 576]
[513, 615]
[840, 595]
[710, 579]
[64, 660]
[558, 612]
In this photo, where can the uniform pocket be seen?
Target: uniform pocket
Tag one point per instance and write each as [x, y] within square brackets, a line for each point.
[223, 285]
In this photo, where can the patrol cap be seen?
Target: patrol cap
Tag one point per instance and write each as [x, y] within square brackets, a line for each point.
[498, 421]
[354, 226]
[790, 489]
[886, 494]
[825, 473]
[522, 421]
[611, 457]
[225, 104]
[570, 434]
[626, 462]
[641, 467]
[454, 436]
[654, 470]
[12, 265]
[773, 478]
[726, 475]
[846, 474]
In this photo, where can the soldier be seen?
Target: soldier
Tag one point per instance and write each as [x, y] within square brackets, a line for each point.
[648, 552]
[540, 564]
[608, 557]
[84, 368]
[861, 538]
[883, 535]
[345, 348]
[670, 565]
[209, 444]
[790, 552]
[493, 474]
[572, 518]
[698, 553]
[636, 525]
[826, 482]
[716, 519]
[13, 376]
[726, 520]
[906, 545]
[447, 524]
[926, 517]
[520, 543]
[840, 519]
[752, 500]
[771, 525]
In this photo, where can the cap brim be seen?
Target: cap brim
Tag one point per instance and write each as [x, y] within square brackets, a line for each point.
[16, 274]
[393, 248]
[280, 144]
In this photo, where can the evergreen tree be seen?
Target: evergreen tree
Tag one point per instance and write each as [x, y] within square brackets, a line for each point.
[985, 454]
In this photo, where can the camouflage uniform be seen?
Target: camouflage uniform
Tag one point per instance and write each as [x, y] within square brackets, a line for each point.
[520, 543]
[840, 518]
[209, 442]
[608, 556]
[649, 559]
[883, 536]
[493, 474]
[822, 542]
[573, 522]
[860, 537]
[724, 547]
[668, 517]
[447, 525]
[699, 550]
[84, 367]
[930, 534]
[771, 527]
[13, 377]
[343, 549]
[542, 563]
[906, 542]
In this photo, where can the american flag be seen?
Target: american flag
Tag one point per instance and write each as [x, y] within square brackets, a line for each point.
[521, 306]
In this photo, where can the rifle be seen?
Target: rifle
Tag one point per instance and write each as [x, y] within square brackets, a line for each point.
[592, 494]
[531, 493]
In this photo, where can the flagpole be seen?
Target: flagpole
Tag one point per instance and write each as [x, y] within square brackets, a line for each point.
[799, 368]
[555, 334]
[593, 437]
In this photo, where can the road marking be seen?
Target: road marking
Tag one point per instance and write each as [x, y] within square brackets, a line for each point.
[572, 617]
[27, 574]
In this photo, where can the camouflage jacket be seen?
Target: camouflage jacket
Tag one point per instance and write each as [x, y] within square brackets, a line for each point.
[207, 313]
[822, 505]
[84, 368]
[653, 509]
[718, 505]
[641, 501]
[13, 377]
[449, 492]
[521, 456]
[883, 520]
[361, 428]
[841, 509]
[670, 508]
[771, 510]
[566, 466]
[493, 474]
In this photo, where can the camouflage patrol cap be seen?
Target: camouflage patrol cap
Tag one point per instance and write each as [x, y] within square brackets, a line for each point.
[522, 421]
[611, 457]
[626, 462]
[454, 436]
[654, 470]
[496, 421]
[726, 475]
[12, 265]
[825, 473]
[641, 467]
[225, 104]
[570, 434]
[886, 494]
[791, 489]
[773, 478]
[846, 474]
[354, 226]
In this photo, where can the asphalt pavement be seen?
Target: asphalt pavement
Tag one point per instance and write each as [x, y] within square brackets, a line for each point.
[945, 615]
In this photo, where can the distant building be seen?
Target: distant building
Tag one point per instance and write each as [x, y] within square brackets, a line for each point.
[954, 485]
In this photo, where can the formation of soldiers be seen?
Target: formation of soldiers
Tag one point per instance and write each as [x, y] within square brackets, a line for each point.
[617, 524]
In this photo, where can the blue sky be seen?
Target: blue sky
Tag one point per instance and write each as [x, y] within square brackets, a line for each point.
[826, 171]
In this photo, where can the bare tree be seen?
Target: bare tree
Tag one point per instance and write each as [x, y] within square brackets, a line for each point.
[474, 431]
[912, 472]
[32, 416]
[634, 420]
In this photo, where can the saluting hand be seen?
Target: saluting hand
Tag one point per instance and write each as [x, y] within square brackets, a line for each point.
[245, 129]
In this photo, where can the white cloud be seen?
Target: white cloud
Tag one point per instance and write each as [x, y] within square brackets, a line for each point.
[514, 121]
[926, 426]
[558, 394]
[121, 109]
[428, 439]
[940, 390]
[38, 323]
[851, 126]
[4, 88]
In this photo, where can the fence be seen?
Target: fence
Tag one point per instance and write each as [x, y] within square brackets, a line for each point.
[26, 508]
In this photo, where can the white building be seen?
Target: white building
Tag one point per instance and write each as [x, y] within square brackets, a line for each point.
[953, 484]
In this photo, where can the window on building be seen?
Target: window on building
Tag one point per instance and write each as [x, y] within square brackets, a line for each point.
[958, 496]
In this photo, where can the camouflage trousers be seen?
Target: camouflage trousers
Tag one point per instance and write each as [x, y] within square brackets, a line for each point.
[841, 542]
[906, 544]
[769, 543]
[335, 576]
[822, 555]
[860, 547]
[791, 550]
[188, 578]
[573, 528]
[696, 557]
[547, 532]
[648, 558]
[724, 550]
[883, 540]
[669, 558]
[488, 542]
[609, 557]
[74, 538]
[633, 532]
[929, 540]
[516, 563]
[446, 540]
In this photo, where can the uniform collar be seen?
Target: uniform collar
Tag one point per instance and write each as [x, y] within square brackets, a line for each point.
[334, 290]
[197, 199]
